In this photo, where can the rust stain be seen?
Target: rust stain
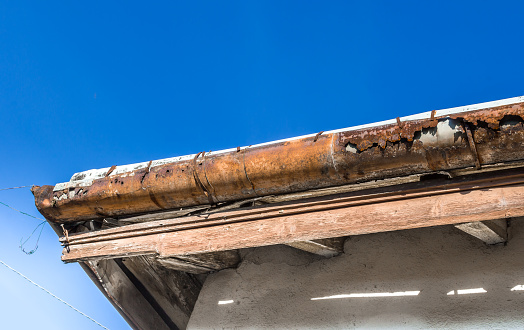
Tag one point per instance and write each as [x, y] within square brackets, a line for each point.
[472, 145]
[296, 165]
[316, 136]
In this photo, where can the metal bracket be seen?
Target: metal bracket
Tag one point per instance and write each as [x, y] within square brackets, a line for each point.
[472, 145]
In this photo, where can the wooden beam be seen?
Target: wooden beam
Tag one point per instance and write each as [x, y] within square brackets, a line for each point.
[490, 232]
[183, 266]
[173, 294]
[332, 217]
[323, 203]
[137, 309]
[136, 287]
[149, 295]
[202, 263]
[327, 247]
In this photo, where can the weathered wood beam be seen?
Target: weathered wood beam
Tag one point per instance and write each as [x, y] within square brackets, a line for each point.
[480, 200]
[401, 192]
[146, 294]
[490, 232]
[327, 247]
[181, 265]
[173, 294]
[202, 263]
[97, 272]
[139, 312]
[149, 295]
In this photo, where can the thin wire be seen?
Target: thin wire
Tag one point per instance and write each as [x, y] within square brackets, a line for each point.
[29, 215]
[42, 224]
[46, 291]
[15, 188]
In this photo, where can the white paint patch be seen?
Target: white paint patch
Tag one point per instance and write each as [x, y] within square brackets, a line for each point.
[518, 288]
[225, 302]
[467, 291]
[370, 295]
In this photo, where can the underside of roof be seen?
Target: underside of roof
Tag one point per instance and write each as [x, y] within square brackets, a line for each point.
[153, 230]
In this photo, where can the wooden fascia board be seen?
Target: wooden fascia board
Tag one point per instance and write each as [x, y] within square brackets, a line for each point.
[481, 200]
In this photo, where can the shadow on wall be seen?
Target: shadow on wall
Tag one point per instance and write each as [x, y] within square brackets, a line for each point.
[424, 278]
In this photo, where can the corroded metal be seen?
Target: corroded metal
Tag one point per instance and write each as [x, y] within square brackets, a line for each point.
[327, 159]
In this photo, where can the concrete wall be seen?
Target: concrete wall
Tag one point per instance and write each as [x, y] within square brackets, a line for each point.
[273, 286]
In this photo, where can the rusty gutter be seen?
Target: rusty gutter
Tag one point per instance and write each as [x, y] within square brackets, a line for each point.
[432, 141]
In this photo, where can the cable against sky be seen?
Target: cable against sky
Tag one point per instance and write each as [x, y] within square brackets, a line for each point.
[15, 188]
[51, 294]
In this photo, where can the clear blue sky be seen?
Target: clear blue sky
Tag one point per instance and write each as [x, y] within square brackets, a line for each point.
[94, 84]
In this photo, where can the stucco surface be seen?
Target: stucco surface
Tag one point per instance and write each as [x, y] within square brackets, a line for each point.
[273, 286]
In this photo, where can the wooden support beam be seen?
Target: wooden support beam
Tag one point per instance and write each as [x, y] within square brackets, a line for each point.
[183, 266]
[490, 232]
[146, 294]
[137, 309]
[173, 294]
[481, 200]
[327, 247]
[149, 295]
[202, 263]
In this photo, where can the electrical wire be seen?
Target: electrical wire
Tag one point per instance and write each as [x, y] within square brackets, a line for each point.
[29, 215]
[42, 225]
[52, 295]
[15, 188]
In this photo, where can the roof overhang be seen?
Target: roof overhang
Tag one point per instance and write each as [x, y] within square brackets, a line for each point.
[144, 231]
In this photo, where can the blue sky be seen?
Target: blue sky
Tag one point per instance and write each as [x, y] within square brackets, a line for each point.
[95, 84]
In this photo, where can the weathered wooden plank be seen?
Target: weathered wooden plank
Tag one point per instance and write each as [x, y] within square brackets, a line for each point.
[147, 295]
[98, 275]
[389, 213]
[202, 263]
[490, 232]
[303, 206]
[215, 261]
[327, 247]
[174, 292]
[184, 266]
[116, 283]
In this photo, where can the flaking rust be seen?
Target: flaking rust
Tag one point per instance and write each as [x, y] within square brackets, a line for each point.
[380, 135]
[323, 160]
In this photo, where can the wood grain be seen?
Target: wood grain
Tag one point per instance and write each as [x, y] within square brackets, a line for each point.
[388, 213]
[327, 247]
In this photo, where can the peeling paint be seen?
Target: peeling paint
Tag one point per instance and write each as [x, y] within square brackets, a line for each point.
[425, 143]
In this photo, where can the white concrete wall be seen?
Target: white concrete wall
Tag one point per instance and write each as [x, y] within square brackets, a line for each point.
[273, 286]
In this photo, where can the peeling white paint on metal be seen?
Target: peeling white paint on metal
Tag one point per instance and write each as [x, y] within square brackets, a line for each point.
[447, 132]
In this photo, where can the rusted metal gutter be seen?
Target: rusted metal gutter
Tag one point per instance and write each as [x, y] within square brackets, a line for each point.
[471, 136]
